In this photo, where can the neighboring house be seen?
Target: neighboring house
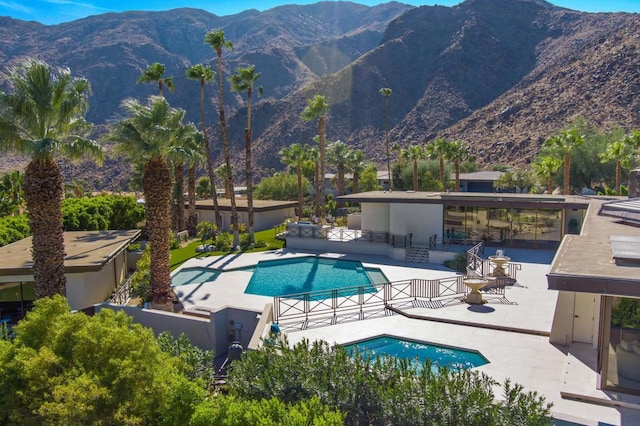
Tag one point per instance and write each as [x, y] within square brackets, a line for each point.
[479, 181]
[95, 265]
[266, 213]
[597, 274]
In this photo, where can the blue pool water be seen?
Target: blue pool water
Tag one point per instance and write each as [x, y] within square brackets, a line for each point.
[418, 352]
[194, 276]
[306, 274]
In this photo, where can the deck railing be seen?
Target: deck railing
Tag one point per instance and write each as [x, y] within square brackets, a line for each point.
[123, 293]
[348, 235]
[358, 299]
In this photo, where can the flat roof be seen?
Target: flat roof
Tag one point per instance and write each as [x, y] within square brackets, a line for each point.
[482, 176]
[585, 262]
[241, 204]
[85, 251]
[470, 199]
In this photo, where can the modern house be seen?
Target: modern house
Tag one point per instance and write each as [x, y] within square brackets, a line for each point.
[597, 274]
[479, 181]
[95, 265]
[267, 213]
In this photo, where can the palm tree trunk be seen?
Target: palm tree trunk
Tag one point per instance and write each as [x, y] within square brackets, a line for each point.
[43, 190]
[317, 182]
[210, 171]
[415, 175]
[356, 183]
[567, 173]
[323, 165]
[156, 182]
[192, 220]
[441, 170]
[178, 173]
[227, 155]
[456, 165]
[549, 185]
[618, 177]
[299, 175]
[249, 171]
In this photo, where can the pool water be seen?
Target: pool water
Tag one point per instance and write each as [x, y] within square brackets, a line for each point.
[195, 275]
[310, 274]
[418, 352]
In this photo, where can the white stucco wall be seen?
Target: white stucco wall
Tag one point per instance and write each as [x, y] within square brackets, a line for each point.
[261, 220]
[375, 217]
[87, 289]
[423, 220]
[565, 320]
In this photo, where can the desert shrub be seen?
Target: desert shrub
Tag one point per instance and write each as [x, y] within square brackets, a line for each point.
[141, 280]
[223, 242]
[245, 241]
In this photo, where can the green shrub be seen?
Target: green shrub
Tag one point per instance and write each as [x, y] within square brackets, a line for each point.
[14, 228]
[260, 244]
[141, 280]
[223, 242]
[245, 241]
[199, 361]
[459, 263]
[174, 242]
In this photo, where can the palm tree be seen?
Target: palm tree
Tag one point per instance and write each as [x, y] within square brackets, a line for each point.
[185, 137]
[295, 155]
[619, 152]
[546, 167]
[317, 107]
[413, 153]
[356, 164]
[205, 74]
[457, 152]
[314, 159]
[438, 151]
[338, 154]
[243, 82]
[154, 74]
[44, 117]
[223, 173]
[387, 92]
[566, 141]
[192, 219]
[148, 135]
[218, 43]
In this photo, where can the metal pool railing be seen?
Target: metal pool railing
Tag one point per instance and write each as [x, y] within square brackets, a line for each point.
[356, 300]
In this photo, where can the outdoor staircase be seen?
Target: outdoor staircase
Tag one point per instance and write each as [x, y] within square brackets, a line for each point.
[417, 254]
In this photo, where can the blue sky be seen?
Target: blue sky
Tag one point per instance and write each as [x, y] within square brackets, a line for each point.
[56, 11]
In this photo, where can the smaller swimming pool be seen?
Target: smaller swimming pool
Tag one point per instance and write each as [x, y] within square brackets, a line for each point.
[194, 275]
[418, 352]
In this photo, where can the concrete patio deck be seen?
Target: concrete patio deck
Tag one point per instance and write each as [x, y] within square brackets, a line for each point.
[527, 359]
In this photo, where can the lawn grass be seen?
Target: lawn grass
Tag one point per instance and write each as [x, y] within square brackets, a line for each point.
[182, 254]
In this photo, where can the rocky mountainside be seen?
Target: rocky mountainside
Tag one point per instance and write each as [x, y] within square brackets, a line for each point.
[500, 74]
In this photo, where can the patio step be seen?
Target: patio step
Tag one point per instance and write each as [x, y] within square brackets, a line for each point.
[417, 255]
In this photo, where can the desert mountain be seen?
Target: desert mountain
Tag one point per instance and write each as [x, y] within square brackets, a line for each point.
[500, 74]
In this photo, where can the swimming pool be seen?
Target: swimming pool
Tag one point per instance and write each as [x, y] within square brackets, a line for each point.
[194, 275]
[418, 352]
[308, 274]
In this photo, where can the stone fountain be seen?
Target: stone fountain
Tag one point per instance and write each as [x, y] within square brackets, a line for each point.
[499, 261]
[475, 284]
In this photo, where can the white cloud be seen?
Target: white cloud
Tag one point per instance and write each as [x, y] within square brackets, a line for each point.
[18, 7]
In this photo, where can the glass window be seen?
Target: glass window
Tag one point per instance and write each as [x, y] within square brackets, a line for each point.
[622, 369]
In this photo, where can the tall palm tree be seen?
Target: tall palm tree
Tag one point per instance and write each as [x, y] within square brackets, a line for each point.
[218, 43]
[44, 117]
[438, 151]
[154, 73]
[223, 173]
[192, 219]
[185, 138]
[243, 81]
[546, 167]
[566, 141]
[338, 154]
[457, 152]
[317, 107]
[356, 164]
[148, 135]
[205, 74]
[621, 153]
[294, 156]
[413, 153]
[387, 92]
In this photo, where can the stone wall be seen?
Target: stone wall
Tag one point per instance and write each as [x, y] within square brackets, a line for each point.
[634, 183]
